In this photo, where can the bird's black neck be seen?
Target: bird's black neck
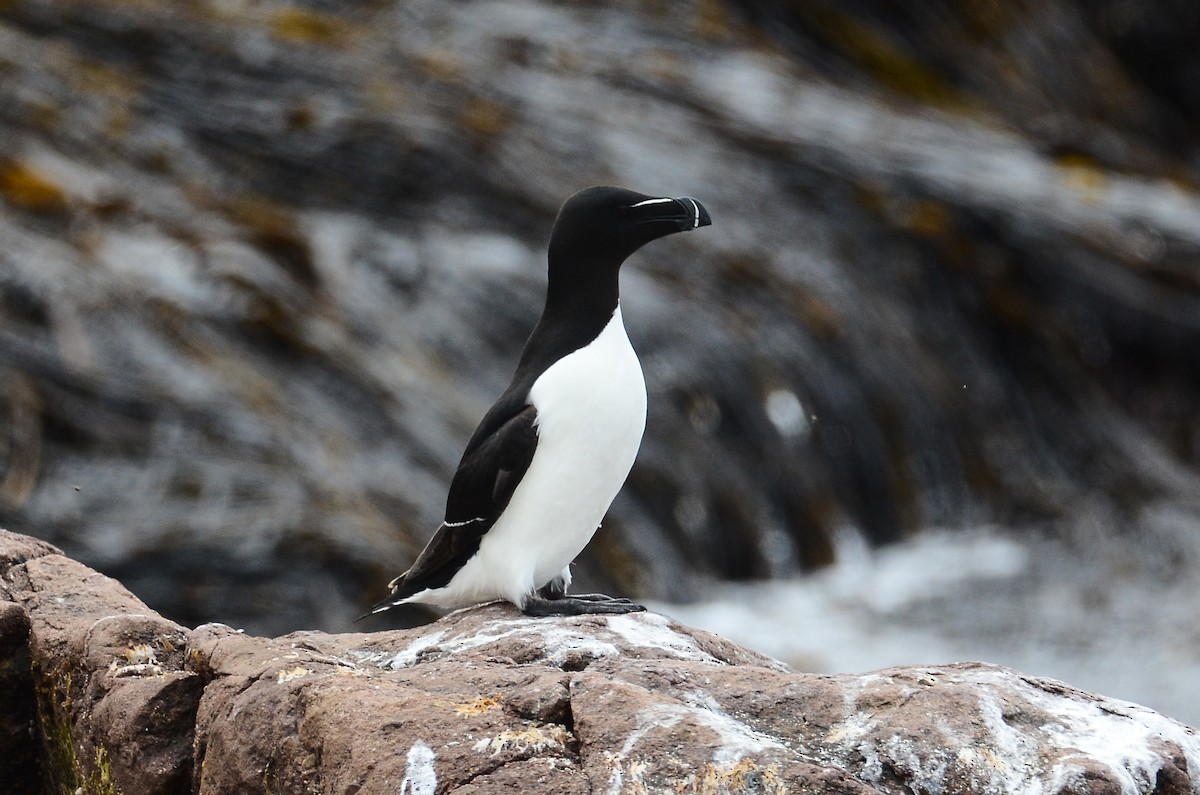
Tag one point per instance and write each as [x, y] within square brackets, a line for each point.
[580, 301]
[582, 294]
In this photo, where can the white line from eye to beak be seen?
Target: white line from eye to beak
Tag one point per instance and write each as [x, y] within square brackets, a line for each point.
[650, 201]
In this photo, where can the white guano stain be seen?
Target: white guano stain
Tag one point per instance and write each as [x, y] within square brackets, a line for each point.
[419, 776]
[735, 740]
[559, 641]
[654, 631]
[1057, 740]
[407, 657]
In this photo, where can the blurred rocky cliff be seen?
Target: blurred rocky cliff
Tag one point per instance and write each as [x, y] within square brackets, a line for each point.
[264, 265]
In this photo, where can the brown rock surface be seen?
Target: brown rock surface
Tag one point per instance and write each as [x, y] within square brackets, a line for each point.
[19, 771]
[115, 705]
[489, 701]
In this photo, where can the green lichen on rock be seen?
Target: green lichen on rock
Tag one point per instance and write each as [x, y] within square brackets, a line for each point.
[60, 756]
[54, 728]
[100, 780]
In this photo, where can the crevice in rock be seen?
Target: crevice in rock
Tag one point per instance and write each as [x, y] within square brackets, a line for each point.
[488, 770]
[568, 715]
[20, 760]
[500, 765]
[574, 663]
[200, 739]
[546, 704]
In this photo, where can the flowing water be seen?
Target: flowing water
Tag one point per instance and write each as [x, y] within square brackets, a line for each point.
[1106, 617]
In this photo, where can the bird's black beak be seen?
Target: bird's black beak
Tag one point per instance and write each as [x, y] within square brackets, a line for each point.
[684, 212]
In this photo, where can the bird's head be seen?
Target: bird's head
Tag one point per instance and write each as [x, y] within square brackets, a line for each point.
[604, 225]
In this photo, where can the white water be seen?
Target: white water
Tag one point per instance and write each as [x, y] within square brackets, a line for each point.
[1117, 617]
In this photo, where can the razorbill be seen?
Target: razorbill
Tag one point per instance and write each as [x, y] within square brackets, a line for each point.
[548, 458]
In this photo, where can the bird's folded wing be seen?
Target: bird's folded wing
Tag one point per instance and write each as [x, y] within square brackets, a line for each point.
[488, 474]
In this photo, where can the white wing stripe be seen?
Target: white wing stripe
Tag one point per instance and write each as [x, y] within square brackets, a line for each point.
[466, 522]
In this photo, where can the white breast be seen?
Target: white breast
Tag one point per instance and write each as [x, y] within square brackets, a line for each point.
[591, 409]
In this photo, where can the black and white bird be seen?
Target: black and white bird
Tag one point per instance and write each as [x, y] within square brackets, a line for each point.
[548, 458]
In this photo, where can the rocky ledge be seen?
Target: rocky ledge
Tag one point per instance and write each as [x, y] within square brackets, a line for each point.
[99, 694]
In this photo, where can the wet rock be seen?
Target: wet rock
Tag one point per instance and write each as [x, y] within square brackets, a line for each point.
[487, 700]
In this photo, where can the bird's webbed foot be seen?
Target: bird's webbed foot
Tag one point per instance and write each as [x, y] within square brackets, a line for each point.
[599, 597]
[583, 604]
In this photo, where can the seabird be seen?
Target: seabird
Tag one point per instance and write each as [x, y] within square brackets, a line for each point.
[548, 458]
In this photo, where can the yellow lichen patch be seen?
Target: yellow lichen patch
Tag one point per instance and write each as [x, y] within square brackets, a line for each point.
[28, 189]
[929, 219]
[1083, 175]
[101, 80]
[441, 65]
[261, 215]
[534, 739]
[879, 55]
[479, 705]
[485, 117]
[841, 734]
[635, 778]
[141, 653]
[276, 232]
[308, 27]
[815, 313]
[744, 776]
[292, 673]
[992, 759]
[711, 21]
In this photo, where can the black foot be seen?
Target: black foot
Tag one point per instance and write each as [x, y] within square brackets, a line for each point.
[555, 589]
[598, 597]
[587, 604]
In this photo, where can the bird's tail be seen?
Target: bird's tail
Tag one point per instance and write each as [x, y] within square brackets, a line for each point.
[396, 596]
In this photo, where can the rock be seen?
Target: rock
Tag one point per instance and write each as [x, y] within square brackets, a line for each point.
[115, 706]
[16, 549]
[18, 755]
[489, 701]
